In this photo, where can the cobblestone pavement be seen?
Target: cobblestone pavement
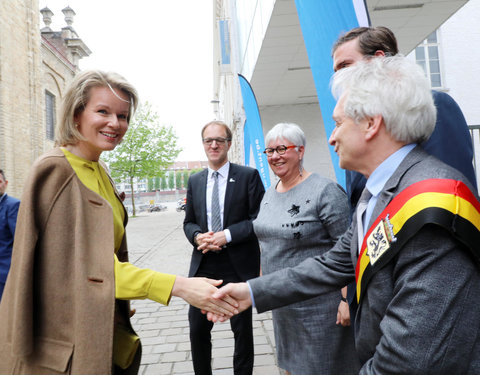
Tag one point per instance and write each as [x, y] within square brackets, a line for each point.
[156, 241]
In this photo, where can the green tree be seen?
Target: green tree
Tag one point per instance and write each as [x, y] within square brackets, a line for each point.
[171, 183]
[185, 179]
[178, 178]
[148, 148]
[150, 184]
[164, 183]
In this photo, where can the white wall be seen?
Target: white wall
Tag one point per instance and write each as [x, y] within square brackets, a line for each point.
[308, 117]
[460, 48]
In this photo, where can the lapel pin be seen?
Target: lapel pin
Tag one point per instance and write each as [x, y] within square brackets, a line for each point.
[231, 180]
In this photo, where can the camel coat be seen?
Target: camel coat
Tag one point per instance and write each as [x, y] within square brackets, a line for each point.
[58, 310]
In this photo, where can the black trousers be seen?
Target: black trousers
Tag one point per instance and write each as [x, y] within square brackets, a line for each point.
[218, 266]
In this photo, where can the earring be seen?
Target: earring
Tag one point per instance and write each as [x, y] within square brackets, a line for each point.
[300, 169]
[76, 124]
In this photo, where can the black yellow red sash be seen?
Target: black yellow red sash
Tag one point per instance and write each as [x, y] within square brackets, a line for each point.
[447, 203]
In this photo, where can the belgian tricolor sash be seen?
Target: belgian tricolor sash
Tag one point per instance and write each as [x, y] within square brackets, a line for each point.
[447, 203]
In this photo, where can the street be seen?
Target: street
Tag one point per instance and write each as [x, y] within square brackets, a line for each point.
[156, 240]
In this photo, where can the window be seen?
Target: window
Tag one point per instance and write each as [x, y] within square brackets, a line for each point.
[50, 115]
[428, 57]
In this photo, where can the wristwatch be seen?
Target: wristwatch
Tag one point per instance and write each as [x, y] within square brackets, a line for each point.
[195, 238]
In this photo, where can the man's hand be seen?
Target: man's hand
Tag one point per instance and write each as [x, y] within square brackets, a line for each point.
[203, 238]
[210, 241]
[219, 239]
[343, 314]
[205, 244]
[237, 291]
[198, 292]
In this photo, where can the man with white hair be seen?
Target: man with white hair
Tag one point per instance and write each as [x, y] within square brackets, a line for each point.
[413, 242]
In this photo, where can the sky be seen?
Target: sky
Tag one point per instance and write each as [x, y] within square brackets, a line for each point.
[163, 47]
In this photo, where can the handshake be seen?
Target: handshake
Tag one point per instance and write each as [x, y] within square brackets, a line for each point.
[219, 304]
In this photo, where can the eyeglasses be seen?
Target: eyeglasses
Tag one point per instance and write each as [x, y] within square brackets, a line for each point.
[219, 141]
[280, 150]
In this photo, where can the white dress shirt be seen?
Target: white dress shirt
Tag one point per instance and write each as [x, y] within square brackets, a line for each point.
[222, 188]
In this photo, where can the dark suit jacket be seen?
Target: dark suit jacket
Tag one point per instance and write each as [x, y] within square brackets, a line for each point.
[242, 202]
[8, 220]
[418, 314]
[450, 142]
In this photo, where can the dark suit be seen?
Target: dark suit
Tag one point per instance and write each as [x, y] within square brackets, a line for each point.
[8, 220]
[418, 314]
[239, 260]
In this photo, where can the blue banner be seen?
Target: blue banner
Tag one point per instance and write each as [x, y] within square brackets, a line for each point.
[253, 132]
[225, 48]
[322, 22]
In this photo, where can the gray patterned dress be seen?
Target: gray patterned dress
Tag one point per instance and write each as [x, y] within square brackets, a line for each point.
[292, 226]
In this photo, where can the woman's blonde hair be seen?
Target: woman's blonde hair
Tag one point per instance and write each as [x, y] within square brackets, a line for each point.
[78, 95]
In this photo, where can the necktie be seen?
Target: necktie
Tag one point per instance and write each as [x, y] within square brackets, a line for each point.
[361, 208]
[216, 219]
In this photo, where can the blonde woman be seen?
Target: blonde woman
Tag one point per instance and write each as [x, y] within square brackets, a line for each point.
[65, 309]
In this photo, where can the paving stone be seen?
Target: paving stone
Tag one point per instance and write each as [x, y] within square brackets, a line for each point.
[150, 358]
[182, 368]
[165, 348]
[174, 357]
[177, 338]
[158, 369]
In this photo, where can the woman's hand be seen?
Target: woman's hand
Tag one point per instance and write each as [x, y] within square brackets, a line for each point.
[198, 291]
[241, 294]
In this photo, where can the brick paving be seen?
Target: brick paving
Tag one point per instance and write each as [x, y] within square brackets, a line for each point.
[156, 241]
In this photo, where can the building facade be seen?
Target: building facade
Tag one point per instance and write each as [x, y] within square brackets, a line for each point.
[35, 67]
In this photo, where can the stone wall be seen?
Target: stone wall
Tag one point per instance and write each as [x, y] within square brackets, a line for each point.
[21, 137]
[30, 64]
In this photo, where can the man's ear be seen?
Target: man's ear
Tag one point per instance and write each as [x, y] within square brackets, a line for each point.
[378, 53]
[374, 125]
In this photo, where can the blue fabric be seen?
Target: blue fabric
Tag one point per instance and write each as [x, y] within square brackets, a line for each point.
[253, 132]
[8, 221]
[322, 22]
[381, 175]
[450, 142]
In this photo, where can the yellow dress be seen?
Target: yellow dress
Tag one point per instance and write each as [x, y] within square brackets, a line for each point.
[131, 282]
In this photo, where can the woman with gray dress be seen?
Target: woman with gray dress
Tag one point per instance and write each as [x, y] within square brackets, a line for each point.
[301, 217]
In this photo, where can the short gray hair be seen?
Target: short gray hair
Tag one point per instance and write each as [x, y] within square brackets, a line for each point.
[289, 131]
[393, 87]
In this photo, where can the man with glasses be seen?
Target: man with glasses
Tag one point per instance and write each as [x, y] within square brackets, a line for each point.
[222, 202]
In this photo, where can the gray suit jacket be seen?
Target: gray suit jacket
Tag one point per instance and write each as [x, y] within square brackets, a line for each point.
[419, 314]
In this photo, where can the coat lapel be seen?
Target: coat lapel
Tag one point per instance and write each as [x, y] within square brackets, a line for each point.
[232, 176]
[387, 193]
[391, 186]
[201, 196]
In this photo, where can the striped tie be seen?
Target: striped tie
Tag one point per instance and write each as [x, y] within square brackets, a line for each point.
[216, 219]
[361, 208]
